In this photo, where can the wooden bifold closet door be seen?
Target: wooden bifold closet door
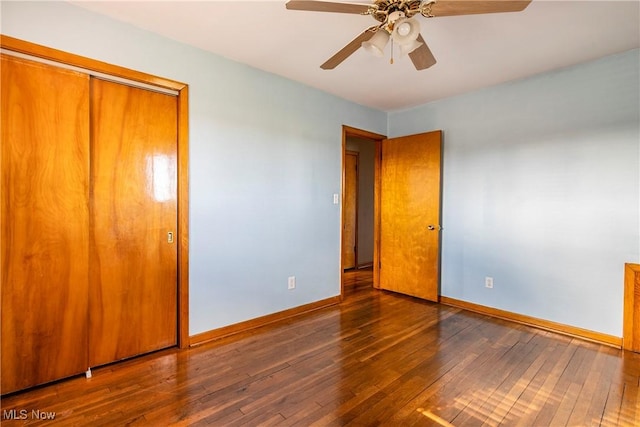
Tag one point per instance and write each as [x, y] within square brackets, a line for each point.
[89, 216]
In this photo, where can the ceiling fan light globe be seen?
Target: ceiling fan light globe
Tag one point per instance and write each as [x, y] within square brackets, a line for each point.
[376, 44]
[406, 31]
[372, 49]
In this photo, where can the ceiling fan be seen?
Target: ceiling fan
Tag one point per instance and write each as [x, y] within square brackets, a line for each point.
[397, 23]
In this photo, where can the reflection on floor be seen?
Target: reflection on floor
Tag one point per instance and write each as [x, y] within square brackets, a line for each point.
[357, 279]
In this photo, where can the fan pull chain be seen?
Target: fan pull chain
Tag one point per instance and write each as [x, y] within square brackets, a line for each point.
[391, 60]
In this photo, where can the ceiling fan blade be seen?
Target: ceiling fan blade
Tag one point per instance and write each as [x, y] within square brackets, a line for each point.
[325, 6]
[422, 57]
[346, 51]
[471, 7]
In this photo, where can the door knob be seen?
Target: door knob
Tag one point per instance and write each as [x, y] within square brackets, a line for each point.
[434, 227]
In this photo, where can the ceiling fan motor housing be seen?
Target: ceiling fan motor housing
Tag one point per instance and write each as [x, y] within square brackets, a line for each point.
[386, 11]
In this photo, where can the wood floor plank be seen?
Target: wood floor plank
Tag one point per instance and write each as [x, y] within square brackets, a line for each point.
[375, 359]
[455, 398]
[538, 399]
[630, 412]
[495, 392]
[613, 407]
[453, 377]
[571, 383]
[510, 392]
[592, 398]
[532, 396]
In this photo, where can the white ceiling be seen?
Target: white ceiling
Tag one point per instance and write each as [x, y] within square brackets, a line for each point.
[472, 51]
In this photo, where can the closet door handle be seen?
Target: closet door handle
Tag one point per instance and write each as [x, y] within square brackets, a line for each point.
[170, 237]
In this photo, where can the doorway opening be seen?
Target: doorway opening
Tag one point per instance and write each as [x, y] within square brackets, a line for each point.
[360, 210]
[402, 248]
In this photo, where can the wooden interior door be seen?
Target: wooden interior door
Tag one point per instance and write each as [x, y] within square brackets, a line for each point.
[350, 212]
[45, 223]
[133, 299]
[410, 215]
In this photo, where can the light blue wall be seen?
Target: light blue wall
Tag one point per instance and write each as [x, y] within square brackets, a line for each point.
[541, 191]
[265, 157]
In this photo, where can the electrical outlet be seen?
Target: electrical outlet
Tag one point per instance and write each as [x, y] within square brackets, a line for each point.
[291, 283]
[488, 282]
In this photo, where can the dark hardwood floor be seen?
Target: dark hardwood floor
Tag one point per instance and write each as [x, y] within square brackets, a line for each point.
[376, 359]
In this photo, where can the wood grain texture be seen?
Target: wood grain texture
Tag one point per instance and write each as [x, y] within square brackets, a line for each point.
[378, 358]
[326, 6]
[631, 316]
[133, 298]
[350, 211]
[347, 50]
[473, 7]
[376, 213]
[24, 47]
[410, 203]
[45, 222]
[422, 57]
[183, 217]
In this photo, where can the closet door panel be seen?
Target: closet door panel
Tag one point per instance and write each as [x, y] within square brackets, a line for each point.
[133, 299]
[44, 223]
